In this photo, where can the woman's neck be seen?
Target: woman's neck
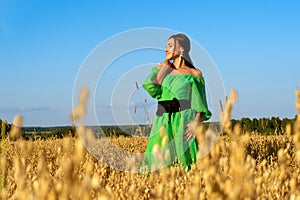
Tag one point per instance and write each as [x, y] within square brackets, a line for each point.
[178, 63]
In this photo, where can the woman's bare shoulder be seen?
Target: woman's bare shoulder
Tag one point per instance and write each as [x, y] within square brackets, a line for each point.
[196, 72]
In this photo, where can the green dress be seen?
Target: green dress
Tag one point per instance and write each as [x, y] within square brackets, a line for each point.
[166, 144]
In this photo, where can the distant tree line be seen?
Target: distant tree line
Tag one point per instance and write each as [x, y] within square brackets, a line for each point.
[38, 132]
[262, 126]
[53, 132]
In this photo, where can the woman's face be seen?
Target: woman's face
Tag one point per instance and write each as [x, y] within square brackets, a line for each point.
[172, 50]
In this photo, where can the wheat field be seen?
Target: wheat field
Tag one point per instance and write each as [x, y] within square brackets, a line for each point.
[239, 166]
[246, 167]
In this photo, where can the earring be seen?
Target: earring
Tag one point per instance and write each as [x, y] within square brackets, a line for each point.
[181, 53]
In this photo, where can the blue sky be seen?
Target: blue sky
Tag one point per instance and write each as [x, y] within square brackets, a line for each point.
[254, 44]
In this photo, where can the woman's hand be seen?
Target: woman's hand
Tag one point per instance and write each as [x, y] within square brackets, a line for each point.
[165, 63]
[164, 69]
[190, 130]
[192, 127]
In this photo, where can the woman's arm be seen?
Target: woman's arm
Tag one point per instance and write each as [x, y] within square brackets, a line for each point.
[164, 69]
[198, 117]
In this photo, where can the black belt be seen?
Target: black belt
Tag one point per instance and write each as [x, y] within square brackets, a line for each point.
[172, 106]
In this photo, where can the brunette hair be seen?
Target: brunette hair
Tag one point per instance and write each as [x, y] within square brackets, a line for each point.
[184, 41]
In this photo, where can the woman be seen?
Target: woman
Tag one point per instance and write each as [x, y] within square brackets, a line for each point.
[180, 90]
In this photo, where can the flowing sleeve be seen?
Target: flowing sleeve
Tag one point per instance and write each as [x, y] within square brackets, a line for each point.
[154, 90]
[198, 102]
